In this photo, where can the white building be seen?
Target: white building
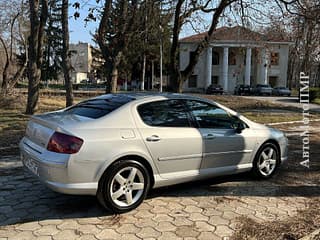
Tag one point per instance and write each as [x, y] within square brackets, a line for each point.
[81, 61]
[236, 55]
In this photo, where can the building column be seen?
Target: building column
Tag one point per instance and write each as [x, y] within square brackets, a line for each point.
[225, 64]
[208, 69]
[248, 67]
[264, 69]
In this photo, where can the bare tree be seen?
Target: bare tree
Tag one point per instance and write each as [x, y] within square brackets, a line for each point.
[179, 77]
[66, 61]
[13, 66]
[38, 17]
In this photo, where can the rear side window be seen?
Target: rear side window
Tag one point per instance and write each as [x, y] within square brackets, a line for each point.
[169, 113]
[98, 107]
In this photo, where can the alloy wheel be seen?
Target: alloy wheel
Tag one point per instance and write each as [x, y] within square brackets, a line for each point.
[127, 186]
[267, 161]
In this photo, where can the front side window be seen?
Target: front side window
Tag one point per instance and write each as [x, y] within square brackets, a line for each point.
[169, 113]
[210, 116]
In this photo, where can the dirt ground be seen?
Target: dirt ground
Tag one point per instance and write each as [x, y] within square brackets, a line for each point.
[293, 179]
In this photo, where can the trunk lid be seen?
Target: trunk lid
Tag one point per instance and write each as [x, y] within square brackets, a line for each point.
[41, 127]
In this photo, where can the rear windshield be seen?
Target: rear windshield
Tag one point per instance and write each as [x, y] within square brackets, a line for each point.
[98, 107]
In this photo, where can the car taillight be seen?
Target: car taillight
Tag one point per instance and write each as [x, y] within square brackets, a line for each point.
[63, 143]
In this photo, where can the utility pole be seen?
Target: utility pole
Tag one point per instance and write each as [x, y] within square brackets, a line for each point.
[161, 50]
[161, 63]
[144, 47]
[152, 74]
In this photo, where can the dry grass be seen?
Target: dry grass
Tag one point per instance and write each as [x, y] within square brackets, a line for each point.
[306, 181]
[259, 110]
[305, 222]
[241, 104]
[13, 121]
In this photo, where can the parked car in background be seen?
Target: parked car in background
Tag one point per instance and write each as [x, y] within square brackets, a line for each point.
[214, 89]
[242, 89]
[281, 91]
[263, 89]
[118, 146]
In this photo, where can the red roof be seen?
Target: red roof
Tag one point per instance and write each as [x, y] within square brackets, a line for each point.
[236, 33]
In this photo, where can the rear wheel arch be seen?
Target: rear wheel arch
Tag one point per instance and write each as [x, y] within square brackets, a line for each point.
[137, 158]
[143, 161]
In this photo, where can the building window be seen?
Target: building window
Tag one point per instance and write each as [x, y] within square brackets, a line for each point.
[191, 54]
[192, 81]
[215, 58]
[273, 81]
[274, 58]
[232, 58]
[214, 79]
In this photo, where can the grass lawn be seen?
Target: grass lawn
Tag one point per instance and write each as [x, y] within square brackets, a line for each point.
[13, 120]
[317, 101]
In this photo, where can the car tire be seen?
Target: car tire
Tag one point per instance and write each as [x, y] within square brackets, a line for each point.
[266, 161]
[124, 186]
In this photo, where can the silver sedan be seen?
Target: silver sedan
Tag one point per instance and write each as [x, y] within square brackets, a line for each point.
[118, 146]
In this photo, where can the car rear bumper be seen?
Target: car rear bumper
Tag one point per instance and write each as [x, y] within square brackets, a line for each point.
[53, 173]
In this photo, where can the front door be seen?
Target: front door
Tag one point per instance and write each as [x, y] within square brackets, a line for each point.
[174, 144]
[222, 145]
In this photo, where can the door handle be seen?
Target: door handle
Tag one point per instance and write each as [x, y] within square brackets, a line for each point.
[153, 138]
[209, 136]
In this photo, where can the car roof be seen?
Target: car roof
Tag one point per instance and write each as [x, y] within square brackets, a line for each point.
[148, 95]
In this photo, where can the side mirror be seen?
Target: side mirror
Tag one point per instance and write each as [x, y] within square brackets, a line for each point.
[239, 127]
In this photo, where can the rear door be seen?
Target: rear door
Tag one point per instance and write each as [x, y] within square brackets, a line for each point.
[174, 144]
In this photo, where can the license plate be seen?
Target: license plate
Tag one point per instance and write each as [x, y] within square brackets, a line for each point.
[31, 165]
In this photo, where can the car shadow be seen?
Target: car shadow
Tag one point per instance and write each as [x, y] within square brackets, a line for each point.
[28, 200]
[23, 198]
[239, 185]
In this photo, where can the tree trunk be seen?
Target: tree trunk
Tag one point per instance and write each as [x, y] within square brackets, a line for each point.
[5, 79]
[35, 51]
[174, 50]
[114, 77]
[34, 74]
[143, 71]
[66, 61]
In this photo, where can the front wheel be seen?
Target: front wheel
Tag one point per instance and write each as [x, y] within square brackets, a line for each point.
[266, 161]
[124, 186]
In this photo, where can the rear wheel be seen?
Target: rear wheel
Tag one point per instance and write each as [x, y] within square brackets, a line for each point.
[266, 161]
[124, 186]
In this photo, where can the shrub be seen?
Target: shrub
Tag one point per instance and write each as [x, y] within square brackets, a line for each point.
[314, 94]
